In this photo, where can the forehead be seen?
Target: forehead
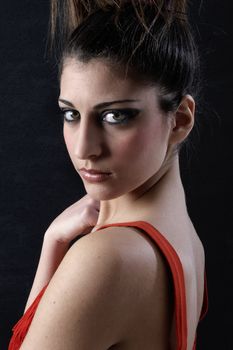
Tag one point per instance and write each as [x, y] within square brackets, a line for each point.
[97, 79]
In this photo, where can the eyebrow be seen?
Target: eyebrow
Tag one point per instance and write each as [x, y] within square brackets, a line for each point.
[100, 105]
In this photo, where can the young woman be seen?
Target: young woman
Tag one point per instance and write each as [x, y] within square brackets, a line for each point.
[135, 280]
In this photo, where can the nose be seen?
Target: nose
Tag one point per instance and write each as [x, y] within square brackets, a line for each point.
[87, 140]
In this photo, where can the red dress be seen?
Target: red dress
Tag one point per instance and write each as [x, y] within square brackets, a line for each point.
[21, 327]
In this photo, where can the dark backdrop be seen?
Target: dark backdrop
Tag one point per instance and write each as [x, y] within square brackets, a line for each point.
[37, 179]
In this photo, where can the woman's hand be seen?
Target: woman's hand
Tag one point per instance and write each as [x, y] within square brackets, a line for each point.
[79, 218]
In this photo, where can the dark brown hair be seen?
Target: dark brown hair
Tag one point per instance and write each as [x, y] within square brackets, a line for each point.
[152, 39]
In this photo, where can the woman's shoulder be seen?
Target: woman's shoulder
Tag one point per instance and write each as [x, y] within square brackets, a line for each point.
[128, 241]
[81, 292]
[122, 246]
[118, 256]
[108, 256]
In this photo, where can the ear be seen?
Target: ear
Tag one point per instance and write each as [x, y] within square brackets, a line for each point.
[183, 120]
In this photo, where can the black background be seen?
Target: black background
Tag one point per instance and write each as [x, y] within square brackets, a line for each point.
[38, 181]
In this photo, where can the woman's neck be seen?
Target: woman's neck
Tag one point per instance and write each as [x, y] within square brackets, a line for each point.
[156, 195]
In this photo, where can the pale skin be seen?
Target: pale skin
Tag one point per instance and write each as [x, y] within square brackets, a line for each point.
[77, 310]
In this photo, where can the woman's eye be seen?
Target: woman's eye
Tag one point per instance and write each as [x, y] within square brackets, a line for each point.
[69, 115]
[110, 117]
[118, 116]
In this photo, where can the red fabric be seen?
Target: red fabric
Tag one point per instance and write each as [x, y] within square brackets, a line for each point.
[21, 328]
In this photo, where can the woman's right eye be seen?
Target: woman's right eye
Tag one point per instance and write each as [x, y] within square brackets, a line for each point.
[70, 115]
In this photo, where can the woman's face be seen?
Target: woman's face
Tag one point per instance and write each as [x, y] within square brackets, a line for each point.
[111, 125]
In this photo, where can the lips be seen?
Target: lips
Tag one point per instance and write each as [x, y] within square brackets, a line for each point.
[94, 175]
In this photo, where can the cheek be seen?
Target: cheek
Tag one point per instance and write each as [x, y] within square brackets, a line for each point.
[142, 144]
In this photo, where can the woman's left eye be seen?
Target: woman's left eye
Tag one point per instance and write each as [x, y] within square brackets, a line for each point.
[119, 116]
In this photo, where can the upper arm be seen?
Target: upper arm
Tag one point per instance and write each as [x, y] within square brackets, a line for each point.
[82, 305]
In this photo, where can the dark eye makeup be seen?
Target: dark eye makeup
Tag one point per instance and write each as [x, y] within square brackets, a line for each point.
[113, 116]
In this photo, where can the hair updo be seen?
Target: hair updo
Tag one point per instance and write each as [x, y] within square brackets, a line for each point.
[151, 39]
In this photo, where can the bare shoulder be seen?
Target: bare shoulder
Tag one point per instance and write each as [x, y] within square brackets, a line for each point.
[91, 289]
[119, 248]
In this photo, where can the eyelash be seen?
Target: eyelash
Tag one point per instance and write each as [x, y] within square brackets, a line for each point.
[128, 113]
